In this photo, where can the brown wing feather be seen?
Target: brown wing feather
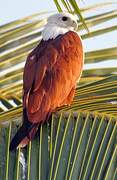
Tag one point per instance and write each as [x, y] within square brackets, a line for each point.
[29, 72]
[53, 74]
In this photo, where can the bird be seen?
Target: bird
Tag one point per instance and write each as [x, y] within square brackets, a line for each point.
[50, 75]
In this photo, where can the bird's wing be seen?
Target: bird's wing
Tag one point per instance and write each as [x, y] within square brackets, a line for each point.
[48, 79]
[34, 74]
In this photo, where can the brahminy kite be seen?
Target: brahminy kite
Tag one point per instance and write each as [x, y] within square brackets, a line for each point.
[50, 74]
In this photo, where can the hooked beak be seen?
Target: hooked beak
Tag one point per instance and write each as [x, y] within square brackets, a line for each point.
[75, 25]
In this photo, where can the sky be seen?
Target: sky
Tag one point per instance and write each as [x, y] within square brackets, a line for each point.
[14, 9]
[11, 10]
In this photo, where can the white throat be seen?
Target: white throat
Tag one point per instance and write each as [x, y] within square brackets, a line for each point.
[51, 31]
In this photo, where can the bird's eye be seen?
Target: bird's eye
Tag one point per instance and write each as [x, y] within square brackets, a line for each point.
[64, 18]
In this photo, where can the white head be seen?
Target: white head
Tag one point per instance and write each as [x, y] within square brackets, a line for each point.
[59, 23]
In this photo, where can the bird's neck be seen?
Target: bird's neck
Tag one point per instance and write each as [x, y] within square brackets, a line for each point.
[52, 31]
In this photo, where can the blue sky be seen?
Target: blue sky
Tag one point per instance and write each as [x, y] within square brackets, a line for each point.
[14, 9]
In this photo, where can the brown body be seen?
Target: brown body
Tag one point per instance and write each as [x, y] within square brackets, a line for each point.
[50, 75]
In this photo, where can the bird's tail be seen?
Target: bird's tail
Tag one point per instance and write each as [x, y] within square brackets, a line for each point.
[26, 132]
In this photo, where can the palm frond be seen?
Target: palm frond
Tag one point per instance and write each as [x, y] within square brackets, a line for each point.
[73, 145]
[80, 141]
